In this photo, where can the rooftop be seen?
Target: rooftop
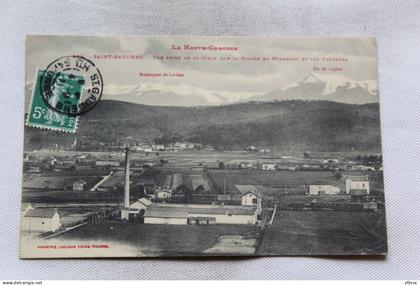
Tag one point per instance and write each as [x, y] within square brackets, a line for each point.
[25, 206]
[41, 213]
[161, 212]
[357, 178]
[145, 201]
[184, 210]
[254, 189]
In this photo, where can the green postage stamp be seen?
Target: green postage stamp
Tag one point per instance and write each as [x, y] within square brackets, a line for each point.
[66, 88]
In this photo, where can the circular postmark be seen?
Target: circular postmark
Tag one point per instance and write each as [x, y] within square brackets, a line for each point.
[71, 85]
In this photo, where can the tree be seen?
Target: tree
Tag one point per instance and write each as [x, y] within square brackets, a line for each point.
[141, 192]
[199, 189]
[221, 165]
[338, 175]
[188, 195]
[181, 189]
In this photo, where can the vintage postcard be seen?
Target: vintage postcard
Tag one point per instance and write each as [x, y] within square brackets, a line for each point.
[201, 146]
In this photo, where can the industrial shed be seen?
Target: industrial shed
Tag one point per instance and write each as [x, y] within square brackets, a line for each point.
[163, 215]
[200, 214]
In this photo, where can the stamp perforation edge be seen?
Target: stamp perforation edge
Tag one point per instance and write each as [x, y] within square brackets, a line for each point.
[41, 126]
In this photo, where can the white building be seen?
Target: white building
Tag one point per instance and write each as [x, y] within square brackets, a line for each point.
[117, 154]
[158, 147]
[246, 165]
[198, 214]
[79, 185]
[249, 199]
[137, 210]
[251, 195]
[322, 188]
[140, 204]
[268, 166]
[170, 216]
[163, 193]
[370, 206]
[41, 220]
[365, 168]
[357, 183]
[25, 207]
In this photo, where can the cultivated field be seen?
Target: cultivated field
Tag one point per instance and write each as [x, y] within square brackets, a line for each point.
[57, 182]
[324, 233]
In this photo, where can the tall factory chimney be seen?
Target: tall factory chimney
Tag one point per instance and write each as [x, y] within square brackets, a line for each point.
[126, 209]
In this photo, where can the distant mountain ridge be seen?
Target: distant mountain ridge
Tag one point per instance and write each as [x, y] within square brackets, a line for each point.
[158, 94]
[336, 88]
[286, 125]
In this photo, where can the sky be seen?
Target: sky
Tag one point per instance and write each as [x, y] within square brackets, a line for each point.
[238, 76]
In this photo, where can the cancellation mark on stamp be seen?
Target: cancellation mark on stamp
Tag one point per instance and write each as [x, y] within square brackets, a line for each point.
[69, 87]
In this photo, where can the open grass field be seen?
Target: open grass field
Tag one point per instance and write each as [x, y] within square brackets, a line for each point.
[58, 182]
[68, 196]
[73, 216]
[325, 233]
[158, 240]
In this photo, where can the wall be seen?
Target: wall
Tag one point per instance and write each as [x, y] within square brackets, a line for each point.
[220, 219]
[34, 224]
[169, 221]
[247, 199]
[329, 189]
[356, 185]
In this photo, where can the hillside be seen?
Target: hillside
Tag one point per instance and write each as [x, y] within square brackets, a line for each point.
[297, 125]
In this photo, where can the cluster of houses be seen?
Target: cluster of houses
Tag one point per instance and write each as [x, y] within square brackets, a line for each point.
[171, 147]
[82, 162]
[59, 164]
[252, 148]
[282, 166]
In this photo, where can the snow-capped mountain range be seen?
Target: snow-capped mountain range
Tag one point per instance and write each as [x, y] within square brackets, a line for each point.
[159, 94]
[311, 87]
[326, 87]
[334, 82]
